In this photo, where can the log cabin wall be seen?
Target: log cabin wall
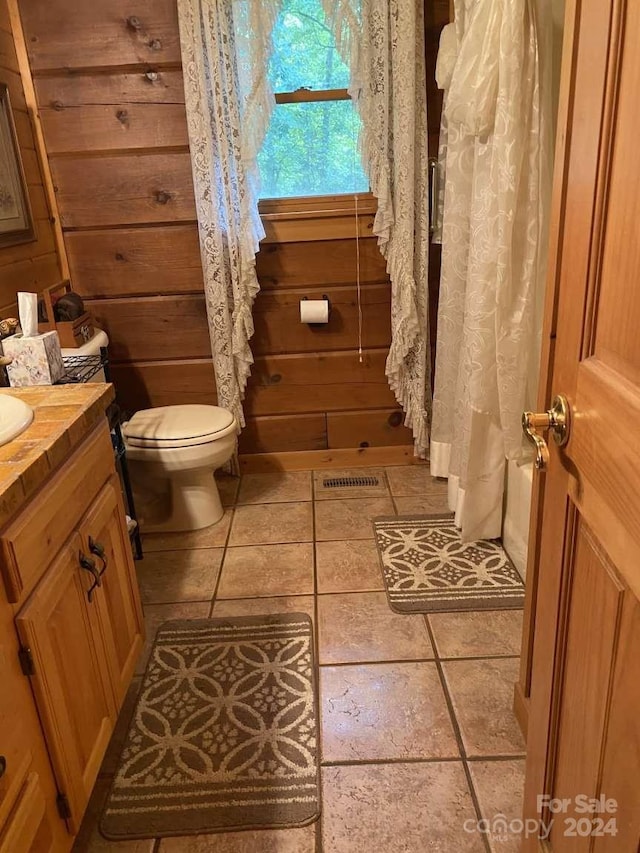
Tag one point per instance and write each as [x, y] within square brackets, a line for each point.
[108, 81]
[34, 265]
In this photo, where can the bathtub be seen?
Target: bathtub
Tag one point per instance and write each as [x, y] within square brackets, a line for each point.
[517, 507]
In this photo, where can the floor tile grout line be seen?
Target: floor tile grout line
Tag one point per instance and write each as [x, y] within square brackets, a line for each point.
[356, 762]
[391, 495]
[267, 597]
[363, 762]
[319, 841]
[517, 756]
[471, 658]
[349, 591]
[347, 539]
[232, 509]
[146, 604]
[266, 544]
[457, 731]
[391, 661]
[197, 548]
[273, 502]
[318, 845]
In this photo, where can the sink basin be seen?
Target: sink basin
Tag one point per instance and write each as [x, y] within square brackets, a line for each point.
[15, 417]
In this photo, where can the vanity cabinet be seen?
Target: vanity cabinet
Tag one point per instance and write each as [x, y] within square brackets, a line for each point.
[60, 629]
[69, 574]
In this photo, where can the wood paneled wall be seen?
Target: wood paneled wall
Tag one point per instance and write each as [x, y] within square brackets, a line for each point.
[109, 86]
[33, 265]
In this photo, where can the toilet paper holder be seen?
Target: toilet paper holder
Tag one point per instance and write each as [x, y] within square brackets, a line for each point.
[319, 325]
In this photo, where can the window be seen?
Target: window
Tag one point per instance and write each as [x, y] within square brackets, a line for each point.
[311, 147]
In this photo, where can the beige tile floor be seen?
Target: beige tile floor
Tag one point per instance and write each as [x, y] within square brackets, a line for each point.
[417, 732]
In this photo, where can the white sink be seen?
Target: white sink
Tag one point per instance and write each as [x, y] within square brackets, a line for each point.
[15, 417]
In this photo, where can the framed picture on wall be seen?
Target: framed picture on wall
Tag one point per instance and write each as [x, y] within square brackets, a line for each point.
[16, 222]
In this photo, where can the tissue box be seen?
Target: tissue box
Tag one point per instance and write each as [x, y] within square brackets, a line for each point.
[36, 360]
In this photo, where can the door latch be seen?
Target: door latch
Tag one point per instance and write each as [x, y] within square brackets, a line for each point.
[557, 420]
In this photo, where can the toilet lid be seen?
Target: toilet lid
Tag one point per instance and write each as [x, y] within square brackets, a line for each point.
[177, 426]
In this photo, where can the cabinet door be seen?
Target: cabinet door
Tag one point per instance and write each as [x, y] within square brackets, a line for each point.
[28, 829]
[70, 679]
[105, 541]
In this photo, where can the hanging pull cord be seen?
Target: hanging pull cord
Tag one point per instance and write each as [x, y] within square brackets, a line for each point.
[355, 198]
[357, 224]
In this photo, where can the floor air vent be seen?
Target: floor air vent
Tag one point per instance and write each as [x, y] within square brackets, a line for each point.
[347, 482]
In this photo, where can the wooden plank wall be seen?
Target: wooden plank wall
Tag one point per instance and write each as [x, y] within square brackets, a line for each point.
[109, 86]
[33, 265]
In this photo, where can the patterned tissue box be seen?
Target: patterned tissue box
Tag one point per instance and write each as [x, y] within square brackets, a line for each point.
[36, 360]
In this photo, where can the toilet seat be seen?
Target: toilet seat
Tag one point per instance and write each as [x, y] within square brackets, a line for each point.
[178, 426]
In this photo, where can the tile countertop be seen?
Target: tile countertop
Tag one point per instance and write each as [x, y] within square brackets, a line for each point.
[62, 416]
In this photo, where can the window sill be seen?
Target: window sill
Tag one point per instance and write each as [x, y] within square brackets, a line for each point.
[288, 220]
[316, 207]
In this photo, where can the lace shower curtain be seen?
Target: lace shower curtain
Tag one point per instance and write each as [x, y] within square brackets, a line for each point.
[495, 182]
[226, 45]
[382, 42]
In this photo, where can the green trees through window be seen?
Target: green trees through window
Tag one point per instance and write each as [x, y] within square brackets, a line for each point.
[311, 147]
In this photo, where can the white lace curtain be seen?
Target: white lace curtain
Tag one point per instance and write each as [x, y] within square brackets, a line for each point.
[382, 41]
[495, 156]
[226, 45]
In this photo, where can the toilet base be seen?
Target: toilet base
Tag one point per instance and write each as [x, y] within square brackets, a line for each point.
[192, 503]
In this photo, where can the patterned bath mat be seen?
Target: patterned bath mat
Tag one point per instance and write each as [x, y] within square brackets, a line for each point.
[224, 735]
[427, 567]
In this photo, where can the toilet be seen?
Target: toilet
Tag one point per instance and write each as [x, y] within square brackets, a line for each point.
[173, 452]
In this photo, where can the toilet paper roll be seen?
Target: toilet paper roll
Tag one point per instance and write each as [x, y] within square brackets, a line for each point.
[314, 311]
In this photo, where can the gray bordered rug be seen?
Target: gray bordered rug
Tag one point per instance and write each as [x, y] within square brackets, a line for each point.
[426, 567]
[224, 736]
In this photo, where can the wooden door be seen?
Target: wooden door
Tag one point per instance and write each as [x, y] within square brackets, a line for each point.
[70, 679]
[584, 721]
[106, 541]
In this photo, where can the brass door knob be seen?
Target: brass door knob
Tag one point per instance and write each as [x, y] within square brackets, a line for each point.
[557, 420]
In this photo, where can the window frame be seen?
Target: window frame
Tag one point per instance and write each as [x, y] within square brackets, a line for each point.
[315, 205]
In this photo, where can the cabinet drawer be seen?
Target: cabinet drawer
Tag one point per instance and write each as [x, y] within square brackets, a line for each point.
[28, 829]
[29, 544]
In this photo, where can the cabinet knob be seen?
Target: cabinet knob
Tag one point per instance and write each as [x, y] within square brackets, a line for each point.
[3, 765]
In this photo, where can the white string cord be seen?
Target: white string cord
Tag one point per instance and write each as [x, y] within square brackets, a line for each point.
[358, 281]
[357, 221]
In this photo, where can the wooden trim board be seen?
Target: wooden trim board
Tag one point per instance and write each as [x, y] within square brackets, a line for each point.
[38, 136]
[305, 460]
